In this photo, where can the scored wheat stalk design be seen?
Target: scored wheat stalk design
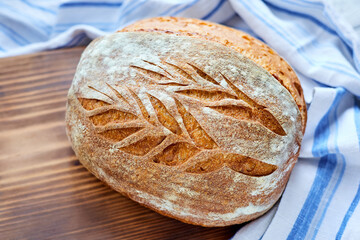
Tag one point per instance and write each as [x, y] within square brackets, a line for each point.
[127, 125]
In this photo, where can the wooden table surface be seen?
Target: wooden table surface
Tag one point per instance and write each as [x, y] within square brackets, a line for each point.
[45, 193]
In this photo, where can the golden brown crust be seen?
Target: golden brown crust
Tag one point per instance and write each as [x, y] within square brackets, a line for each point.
[240, 41]
[188, 127]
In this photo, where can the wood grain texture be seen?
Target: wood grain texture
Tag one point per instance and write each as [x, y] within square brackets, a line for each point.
[45, 193]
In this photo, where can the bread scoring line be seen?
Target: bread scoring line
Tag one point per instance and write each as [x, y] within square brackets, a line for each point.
[116, 41]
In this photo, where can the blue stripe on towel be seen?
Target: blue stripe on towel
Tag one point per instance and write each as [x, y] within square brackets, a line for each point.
[130, 10]
[46, 28]
[306, 16]
[357, 116]
[184, 8]
[321, 6]
[91, 4]
[326, 168]
[348, 214]
[342, 164]
[322, 131]
[314, 20]
[297, 46]
[14, 36]
[167, 11]
[30, 4]
[216, 8]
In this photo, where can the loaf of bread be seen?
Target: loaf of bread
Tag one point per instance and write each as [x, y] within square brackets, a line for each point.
[195, 120]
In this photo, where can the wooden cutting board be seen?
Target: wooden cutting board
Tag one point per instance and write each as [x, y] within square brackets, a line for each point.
[45, 193]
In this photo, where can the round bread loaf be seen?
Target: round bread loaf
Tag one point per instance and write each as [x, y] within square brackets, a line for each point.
[192, 119]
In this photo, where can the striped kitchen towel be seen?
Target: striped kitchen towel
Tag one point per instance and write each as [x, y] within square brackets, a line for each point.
[321, 200]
